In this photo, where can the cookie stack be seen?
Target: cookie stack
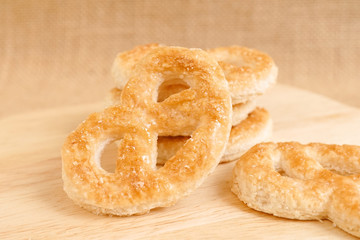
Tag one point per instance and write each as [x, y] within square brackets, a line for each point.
[190, 109]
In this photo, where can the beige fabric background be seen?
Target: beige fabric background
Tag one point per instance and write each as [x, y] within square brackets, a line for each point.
[56, 53]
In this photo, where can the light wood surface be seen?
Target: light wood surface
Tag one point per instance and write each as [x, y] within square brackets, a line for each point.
[34, 206]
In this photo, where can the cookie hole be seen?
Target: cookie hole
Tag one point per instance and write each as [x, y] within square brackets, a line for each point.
[109, 156]
[277, 165]
[282, 173]
[171, 87]
[168, 147]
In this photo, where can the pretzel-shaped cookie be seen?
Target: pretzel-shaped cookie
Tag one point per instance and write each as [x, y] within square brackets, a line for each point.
[248, 71]
[313, 181]
[136, 186]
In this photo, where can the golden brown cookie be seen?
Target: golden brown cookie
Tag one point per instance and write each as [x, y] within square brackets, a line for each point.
[314, 181]
[137, 186]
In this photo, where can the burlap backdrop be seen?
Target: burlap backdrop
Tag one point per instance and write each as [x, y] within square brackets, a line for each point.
[59, 52]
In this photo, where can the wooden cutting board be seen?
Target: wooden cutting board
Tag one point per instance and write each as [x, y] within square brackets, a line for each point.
[34, 206]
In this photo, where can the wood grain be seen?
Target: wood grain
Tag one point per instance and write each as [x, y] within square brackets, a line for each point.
[34, 206]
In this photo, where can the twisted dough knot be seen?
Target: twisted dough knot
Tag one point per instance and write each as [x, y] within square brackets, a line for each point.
[251, 125]
[203, 110]
[314, 181]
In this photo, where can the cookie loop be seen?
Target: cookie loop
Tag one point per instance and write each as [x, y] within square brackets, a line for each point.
[249, 72]
[313, 181]
[137, 186]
